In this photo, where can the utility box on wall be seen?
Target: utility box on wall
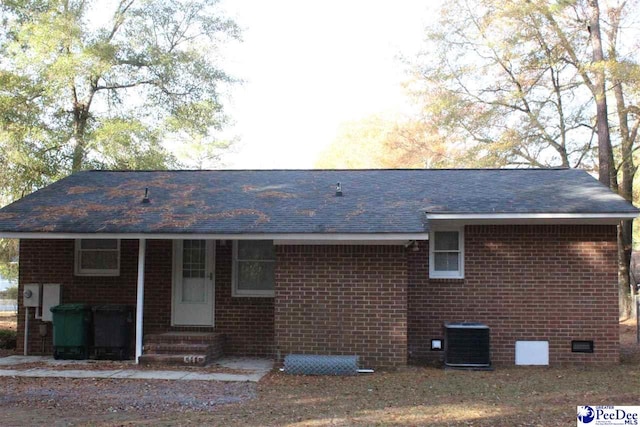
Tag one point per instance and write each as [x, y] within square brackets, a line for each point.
[31, 295]
[42, 298]
[51, 296]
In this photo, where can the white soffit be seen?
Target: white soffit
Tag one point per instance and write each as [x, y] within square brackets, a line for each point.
[530, 218]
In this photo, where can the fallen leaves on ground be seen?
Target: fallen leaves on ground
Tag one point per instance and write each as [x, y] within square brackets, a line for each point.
[414, 396]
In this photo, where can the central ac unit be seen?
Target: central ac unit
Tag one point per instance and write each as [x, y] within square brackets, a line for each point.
[467, 345]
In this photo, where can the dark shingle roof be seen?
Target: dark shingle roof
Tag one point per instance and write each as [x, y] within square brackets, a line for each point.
[298, 201]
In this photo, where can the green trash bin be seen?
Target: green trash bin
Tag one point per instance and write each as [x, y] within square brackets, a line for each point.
[71, 329]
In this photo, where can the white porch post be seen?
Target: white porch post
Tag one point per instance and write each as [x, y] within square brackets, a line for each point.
[142, 245]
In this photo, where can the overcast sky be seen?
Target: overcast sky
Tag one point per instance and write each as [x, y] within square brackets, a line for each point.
[309, 66]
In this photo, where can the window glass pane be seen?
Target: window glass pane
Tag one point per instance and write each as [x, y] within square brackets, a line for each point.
[446, 240]
[445, 261]
[99, 260]
[254, 276]
[193, 258]
[99, 244]
[256, 249]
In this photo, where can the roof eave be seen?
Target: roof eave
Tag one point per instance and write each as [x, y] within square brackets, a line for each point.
[283, 237]
[531, 218]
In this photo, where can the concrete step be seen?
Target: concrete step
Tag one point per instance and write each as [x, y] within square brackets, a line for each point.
[174, 359]
[176, 348]
[184, 337]
[182, 348]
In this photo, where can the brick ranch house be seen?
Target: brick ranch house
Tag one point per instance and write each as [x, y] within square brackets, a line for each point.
[275, 262]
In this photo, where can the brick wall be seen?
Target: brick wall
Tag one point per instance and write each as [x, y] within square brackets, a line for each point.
[247, 322]
[554, 283]
[51, 261]
[342, 300]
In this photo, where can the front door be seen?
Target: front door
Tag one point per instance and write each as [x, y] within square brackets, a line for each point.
[193, 282]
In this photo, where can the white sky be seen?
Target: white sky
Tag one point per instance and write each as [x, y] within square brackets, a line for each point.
[309, 66]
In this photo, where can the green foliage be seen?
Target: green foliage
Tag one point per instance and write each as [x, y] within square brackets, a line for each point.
[8, 339]
[11, 293]
[9, 258]
[103, 85]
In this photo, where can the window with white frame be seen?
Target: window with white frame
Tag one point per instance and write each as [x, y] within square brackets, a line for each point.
[254, 264]
[97, 257]
[446, 254]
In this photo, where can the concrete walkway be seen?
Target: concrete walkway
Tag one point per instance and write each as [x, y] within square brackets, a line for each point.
[255, 370]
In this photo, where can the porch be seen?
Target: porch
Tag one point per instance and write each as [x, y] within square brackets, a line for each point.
[236, 326]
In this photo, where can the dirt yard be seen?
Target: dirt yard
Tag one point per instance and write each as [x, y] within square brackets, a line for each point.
[8, 320]
[411, 397]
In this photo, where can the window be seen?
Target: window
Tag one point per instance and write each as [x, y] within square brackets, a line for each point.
[254, 264]
[446, 254]
[194, 265]
[97, 257]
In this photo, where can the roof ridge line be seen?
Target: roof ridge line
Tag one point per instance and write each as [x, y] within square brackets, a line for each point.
[338, 170]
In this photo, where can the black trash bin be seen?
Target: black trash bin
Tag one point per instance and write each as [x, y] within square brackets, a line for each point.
[112, 326]
[71, 331]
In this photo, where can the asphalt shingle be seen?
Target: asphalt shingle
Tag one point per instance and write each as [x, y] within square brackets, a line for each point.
[298, 201]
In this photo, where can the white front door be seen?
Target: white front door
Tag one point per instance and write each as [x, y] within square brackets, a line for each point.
[193, 282]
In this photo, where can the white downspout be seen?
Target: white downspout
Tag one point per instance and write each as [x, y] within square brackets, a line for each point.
[26, 331]
[142, 245]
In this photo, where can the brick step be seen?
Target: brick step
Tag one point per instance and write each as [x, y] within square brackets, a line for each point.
[184, 337]
[174, 359]
[176, 348]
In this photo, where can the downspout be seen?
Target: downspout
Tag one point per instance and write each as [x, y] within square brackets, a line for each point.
[142, 245]
[26, 331]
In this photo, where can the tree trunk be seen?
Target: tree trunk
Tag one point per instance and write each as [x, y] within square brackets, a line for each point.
[607, 171]
[627, 170]
[80, 118]
[625, 189]
[625, 242]
[605, 154]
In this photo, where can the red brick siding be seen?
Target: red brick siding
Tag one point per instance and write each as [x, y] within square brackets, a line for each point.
[51, 261]
[247, 322]
[342, 300]
[555, 283]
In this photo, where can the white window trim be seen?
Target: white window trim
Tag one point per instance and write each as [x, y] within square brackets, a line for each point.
[433, 274]
[235, 292]
[93, 272]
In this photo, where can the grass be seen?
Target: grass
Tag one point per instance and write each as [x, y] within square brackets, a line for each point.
[8, 336]
[417, 396]
[429, 396]
[7, 339]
